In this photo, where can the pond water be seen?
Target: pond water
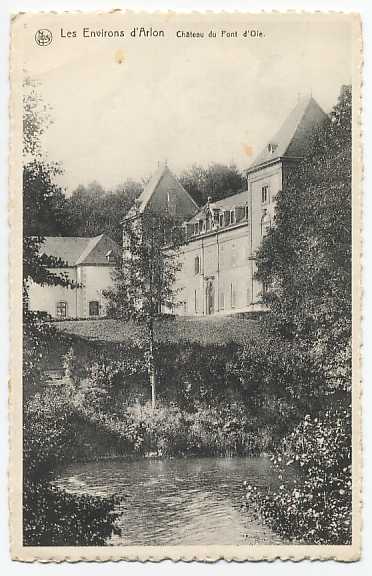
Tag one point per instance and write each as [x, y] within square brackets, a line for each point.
[181, 501]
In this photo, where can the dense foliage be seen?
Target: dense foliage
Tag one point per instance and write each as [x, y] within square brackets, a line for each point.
[91, 210]
[213, 399]
[51, 516]
[313, 506]
[305, 260]
[216, 181]
[305, 264]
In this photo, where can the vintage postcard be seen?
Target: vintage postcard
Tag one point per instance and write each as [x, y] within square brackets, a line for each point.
[185, 211]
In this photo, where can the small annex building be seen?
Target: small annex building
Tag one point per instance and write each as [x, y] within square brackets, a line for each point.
[86, 261]
[221, 238]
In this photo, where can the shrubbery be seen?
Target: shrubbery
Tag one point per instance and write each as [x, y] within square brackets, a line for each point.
[51, 516]
[312, 503]
[221, 430]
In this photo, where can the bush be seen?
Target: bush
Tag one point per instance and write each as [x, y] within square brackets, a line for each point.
[167, 430]
[313, 504]
[52, 517]
[49, 433]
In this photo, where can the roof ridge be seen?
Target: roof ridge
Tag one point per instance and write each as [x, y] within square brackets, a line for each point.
[152, 186]
[91, 245]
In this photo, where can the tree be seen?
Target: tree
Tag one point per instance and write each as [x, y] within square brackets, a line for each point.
[143, 282]
[218, 181]
[43, 213]
[305, 263]
[92, 210]
[305, 260]
[44, 203]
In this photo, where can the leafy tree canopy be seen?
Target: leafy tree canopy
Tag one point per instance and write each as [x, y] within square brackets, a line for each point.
[217, 181]
[305, 260]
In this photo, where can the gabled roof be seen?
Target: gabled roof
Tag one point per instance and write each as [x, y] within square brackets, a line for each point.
[151, 188]
[227, 203]
[290, 140]
[77, 250]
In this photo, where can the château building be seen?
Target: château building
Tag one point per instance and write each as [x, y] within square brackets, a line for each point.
[218, 257]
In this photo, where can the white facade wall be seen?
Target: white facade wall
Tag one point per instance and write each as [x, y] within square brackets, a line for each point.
[93, 278]
[227, 255]
[221, 283]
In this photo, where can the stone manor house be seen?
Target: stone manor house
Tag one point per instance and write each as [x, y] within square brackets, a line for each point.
[218, 258]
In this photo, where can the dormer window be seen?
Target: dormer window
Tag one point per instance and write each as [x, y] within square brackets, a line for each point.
[196, 228]
[232, 216]
[227, 218]
[221, 220]
[271, 147]
[208, 221]
[109, 256]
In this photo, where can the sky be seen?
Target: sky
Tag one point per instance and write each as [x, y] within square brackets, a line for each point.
[121, 106]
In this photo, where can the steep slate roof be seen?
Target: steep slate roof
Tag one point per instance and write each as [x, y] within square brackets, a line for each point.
[78, 250]
[291, 138]
[151, 188]
[227, 203]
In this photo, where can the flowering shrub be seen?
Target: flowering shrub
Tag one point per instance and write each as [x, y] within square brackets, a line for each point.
[312, 502]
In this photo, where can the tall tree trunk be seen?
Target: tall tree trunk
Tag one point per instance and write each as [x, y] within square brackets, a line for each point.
[151, 364]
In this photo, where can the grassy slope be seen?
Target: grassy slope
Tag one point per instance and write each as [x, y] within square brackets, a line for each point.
[205, 331]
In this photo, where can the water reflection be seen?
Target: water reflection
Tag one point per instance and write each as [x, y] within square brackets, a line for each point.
[179, 501]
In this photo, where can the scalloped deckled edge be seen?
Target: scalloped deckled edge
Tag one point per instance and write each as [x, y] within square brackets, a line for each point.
[185, 553]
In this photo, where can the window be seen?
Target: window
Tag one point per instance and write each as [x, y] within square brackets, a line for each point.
[197, 265]
[196, 228]
[264, 194]
[222, 300]
[246, 213]
[61, 309]
[265, 224]
[221, 219]
[232, 294]
[93, 308]
[232, 216]
[227, 218]
[195, 302]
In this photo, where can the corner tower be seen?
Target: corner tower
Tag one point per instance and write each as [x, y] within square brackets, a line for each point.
[268, 174]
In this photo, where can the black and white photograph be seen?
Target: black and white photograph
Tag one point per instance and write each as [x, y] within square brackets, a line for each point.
[185, 261]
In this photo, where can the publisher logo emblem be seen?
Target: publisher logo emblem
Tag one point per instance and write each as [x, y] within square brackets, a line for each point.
[43, 37]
